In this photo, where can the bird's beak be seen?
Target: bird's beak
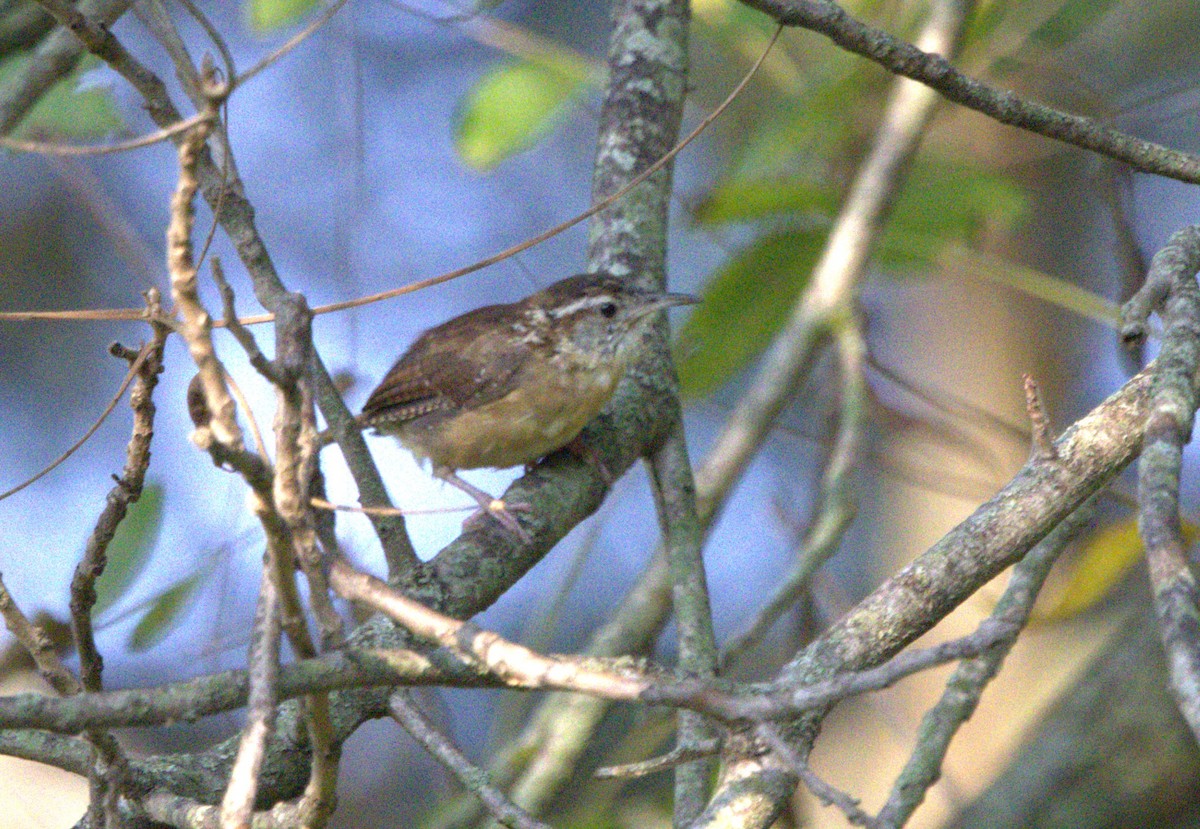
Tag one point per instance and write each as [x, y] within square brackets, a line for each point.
[659, 301]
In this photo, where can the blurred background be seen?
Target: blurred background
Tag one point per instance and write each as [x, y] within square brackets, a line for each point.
[404, 140]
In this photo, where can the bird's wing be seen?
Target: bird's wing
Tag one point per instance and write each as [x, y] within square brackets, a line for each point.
[446, 368]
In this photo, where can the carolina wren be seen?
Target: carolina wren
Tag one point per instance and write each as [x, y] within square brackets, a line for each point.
[505, 385]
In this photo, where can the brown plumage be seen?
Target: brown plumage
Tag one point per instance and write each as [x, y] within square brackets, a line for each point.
[505, 385]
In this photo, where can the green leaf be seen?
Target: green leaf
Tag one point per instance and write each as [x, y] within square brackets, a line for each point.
[942, 203]
[742, 200]
[813, 129]
[1106, 557]
[984, 22]
[512, 107]
[1073, 18]
[65, 110]
[268, 15]
[1052, 290]
[744, 305]
[130, 548]
[164, 612]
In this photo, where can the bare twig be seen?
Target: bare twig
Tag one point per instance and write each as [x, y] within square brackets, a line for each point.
[130, 375]
[292, 42]
[1041, 428]
[34, 639]
[321, 503]
[295, 453]
[164, 806]
[196, 326]
[827, 18]
[213, 35]
[50, 148]
[659, 764]
[240, 333]
[1171, 288]
[107, 773]
[228, 690]
[69, 753]
[412, 287]
[821, 789]
[836, 507]
[968, 681]
[295, 427]
[782, 700]
[405, 711]
[683, 536]
[511, 663]
[237, 806]
[1090, 453]
[126, 491]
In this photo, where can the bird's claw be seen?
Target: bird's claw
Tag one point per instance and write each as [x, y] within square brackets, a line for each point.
[502, 512]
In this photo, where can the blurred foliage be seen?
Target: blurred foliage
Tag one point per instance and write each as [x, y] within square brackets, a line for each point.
[1049, 289]
[800, 136]
[130, 548]
[22, 25]
[1070, 21]
[513, 106]
[1106, 556]
[268, 15]
[128, 553]
[166, 610]
[70, 109]
[745, 303]
[751, 295]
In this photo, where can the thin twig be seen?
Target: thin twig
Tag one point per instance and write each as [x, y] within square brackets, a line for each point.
[321, 503]
[295, 453]
[655, 765]
[782, 700]
[213, 35]
[292, 42]
[1039, 422]
[827, 18]
[127, 490]
[237, 806]
[511, 662]
[21, 145]
[1171, 289]
[260, 446]
[836, 506]
[115, 314]
[130, 376]
[821, 789]
[35, 641]
[683, 536]
[969, 679]
[196, 326]
[243, 336]
[405, 711]
[106, 776]
[228, 690]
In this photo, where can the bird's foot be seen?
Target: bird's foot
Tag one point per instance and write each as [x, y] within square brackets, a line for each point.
[497, 508]
[502, 512]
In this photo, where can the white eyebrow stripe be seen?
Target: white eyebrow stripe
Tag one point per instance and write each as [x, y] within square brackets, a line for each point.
[581, 304]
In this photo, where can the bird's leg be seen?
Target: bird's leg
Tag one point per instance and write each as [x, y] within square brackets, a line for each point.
[495, 507]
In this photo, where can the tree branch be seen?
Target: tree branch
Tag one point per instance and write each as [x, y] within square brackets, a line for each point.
[902, 58]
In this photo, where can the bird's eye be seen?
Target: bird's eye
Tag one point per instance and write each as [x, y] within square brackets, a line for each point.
[608, 310]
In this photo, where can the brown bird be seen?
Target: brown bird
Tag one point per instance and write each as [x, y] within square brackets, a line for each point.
[506, 385]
